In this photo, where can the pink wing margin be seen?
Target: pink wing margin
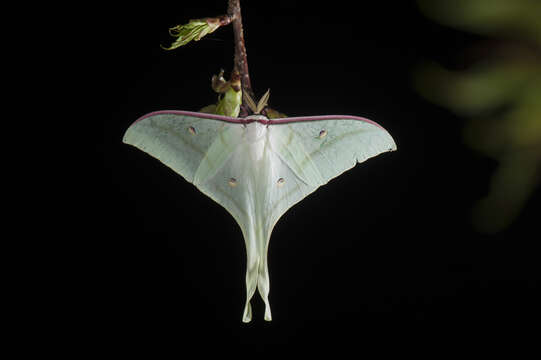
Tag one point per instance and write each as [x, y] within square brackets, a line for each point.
[266, 122]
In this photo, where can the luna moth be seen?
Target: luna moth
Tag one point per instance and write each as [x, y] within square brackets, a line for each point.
[251, 159]
[257, 168]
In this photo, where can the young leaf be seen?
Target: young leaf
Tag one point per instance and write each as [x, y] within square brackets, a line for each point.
[194, 30]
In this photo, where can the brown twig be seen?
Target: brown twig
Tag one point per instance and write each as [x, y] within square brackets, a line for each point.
[241, 60]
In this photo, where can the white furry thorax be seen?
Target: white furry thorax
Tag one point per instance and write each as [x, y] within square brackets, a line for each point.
[255, 130]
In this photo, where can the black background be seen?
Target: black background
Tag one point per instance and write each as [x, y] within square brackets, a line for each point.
[382, 258]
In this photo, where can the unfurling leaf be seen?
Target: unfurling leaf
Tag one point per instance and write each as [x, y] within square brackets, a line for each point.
[194, 30]
[231, 98]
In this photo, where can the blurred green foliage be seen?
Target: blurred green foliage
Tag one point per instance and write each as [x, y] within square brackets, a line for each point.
[499, 95]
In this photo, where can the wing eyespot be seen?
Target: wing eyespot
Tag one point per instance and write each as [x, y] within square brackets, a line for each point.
[192, 131]
[232, 182]
[280, 182]
[322, 134]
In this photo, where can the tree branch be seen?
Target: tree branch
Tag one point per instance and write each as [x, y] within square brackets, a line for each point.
[241, 60]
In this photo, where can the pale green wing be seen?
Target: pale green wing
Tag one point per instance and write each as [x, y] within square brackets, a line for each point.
[332, 144]
[209, 151]
[184, 141]
[317, 149]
